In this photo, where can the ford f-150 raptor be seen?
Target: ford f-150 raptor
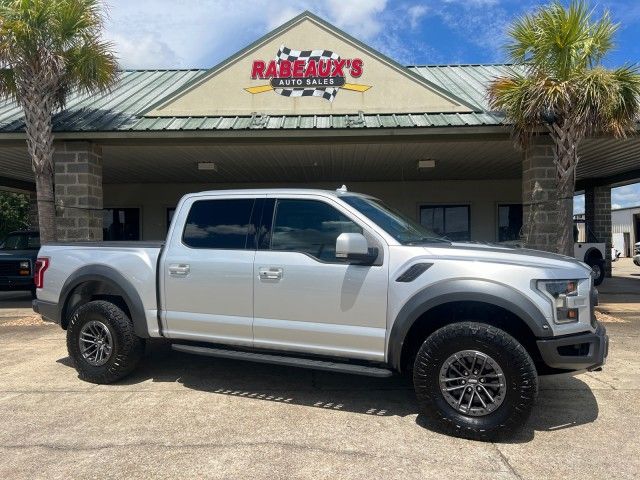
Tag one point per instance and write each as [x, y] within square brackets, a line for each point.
[336, 281]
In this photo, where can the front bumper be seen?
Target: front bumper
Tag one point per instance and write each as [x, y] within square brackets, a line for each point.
[12, 283]
[48, 310]
[583, 351]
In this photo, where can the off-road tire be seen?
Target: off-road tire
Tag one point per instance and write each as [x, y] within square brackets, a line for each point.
[127, 347]
[519, 372]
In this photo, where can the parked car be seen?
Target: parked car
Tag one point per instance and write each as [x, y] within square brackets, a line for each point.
[636, 259]
[335, 281]
[18, 253]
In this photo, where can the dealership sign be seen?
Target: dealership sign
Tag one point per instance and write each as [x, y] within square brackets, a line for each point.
[307, 73]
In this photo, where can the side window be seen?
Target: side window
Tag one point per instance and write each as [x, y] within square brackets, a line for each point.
[219, 224]
[309, 226]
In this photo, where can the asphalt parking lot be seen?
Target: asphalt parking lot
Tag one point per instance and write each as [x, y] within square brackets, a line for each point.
[182, 415]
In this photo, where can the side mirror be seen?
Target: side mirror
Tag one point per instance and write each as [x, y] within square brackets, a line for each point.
[354, 247]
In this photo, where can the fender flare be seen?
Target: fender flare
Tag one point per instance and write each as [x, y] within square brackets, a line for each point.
[117, 283]
[452, 291]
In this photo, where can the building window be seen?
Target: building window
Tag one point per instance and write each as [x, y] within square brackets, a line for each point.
[121, 224]
[219, 224]
[509, 222]
[310, 227]
[451, 221]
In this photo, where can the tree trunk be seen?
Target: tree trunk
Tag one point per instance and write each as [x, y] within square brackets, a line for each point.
[566, 188]
[38, 108]
[46, 207]
[566, 138]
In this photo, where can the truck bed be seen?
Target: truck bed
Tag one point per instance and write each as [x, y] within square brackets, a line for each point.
[130, 263]
[111, 244]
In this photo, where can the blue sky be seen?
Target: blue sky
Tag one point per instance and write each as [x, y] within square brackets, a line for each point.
[201, 33]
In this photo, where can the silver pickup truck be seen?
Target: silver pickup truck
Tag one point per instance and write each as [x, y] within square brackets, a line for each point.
[336, 281]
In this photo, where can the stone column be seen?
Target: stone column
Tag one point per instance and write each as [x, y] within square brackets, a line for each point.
[597, 219]
[78, 191]
[539, 197]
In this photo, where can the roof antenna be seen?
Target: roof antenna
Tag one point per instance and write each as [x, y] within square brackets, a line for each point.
[342, 189]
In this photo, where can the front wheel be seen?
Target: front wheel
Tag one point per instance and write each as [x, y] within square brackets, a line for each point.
[102, 342]
[477, 380]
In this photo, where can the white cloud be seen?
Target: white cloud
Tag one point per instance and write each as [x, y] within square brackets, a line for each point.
[359, 17]
[627, 196]
[416, 12]
[181, 33]
[578, 204]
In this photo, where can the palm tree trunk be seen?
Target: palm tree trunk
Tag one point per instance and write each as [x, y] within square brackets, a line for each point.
[566, 158]
[566, 188]
[38, 109]
[46, 207]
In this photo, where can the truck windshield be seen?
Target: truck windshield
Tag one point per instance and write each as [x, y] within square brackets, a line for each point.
[403, 229]
[21, 241]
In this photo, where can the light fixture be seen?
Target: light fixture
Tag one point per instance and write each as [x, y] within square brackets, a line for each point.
[207, 166]
[426, 163]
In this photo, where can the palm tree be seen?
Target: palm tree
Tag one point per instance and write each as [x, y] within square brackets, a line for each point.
[565, 91]
[49, 48]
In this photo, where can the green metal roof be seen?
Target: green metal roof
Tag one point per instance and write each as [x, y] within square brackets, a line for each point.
[122, 109]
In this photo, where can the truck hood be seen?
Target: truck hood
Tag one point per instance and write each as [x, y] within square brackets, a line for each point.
[15, 254]
[506, 254]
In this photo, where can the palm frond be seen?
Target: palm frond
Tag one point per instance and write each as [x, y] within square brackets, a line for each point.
[558, 40]
[91, 65]
[7, 83]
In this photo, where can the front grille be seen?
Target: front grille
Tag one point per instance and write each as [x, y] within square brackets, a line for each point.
[10, 268]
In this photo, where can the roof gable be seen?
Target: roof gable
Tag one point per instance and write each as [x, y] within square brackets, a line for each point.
[368, 81]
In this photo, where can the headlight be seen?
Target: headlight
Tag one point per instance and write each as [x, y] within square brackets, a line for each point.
[564, 297]
[25, 268]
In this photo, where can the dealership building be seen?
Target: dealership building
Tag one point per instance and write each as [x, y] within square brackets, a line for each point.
[309, 105]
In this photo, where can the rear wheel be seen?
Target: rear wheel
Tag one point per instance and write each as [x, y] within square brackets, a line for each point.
[477, 380]
[102, 342]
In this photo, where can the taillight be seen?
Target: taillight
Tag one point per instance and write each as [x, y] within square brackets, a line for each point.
[42, 263]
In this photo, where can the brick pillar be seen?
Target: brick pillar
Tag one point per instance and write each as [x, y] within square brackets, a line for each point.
[597, 218]
[78, 190]
[539, 197]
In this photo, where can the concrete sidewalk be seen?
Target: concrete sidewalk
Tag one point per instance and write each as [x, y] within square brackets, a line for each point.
[620, 296]
[182, 415]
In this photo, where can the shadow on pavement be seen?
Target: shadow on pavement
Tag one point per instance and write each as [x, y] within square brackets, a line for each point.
[569, 403]
[563, 402]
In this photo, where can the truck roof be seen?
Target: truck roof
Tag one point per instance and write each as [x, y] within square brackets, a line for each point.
[271, 191]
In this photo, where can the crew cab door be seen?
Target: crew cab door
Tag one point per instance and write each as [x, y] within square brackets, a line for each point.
[306, 299]
[207, 270]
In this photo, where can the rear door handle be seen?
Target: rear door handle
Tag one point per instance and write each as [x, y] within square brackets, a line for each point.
[179, 270]
[270, 273]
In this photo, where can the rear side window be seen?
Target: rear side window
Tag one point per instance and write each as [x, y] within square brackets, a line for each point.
[309, 226]
[223, 224]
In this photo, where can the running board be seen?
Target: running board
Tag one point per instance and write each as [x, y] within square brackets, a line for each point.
[286, 361]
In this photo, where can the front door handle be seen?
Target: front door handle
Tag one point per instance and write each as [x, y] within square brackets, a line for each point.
[270, 273]
[179, 270]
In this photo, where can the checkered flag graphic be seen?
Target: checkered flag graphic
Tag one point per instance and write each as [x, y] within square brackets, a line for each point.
[328, 93]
